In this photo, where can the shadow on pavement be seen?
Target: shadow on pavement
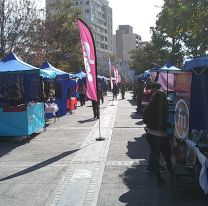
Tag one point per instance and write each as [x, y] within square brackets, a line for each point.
[87, 120]
[40, 165]
[142, 188]
[140, 122]
[132, 102]
[7, 144]
[138, 149]
[134, 115]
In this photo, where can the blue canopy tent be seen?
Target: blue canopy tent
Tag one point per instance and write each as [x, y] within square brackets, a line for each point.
[20, 114]
[63, 78]
[143, 76]
[18, 73]
[80, 74]
[199, 93]
[47, 74]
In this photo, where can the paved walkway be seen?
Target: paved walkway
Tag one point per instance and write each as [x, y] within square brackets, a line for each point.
[66, 166]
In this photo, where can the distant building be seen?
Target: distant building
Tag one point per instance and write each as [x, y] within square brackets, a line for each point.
[124, 41]
[98, 15]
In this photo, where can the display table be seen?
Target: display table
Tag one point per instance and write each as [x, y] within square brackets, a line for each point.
[21, 121]
[72, 103]
[199, 155]
[203, 179]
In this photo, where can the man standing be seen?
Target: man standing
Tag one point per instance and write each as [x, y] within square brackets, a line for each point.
[123, 90]
[82, 92]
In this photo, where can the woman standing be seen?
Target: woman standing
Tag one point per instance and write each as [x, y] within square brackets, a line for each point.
[155, 117]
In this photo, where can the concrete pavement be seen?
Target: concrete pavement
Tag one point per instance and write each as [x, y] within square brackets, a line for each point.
[66, 165]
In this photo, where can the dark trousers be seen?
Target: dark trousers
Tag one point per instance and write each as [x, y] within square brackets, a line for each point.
[82, 99]
[123, 94]
[159, 145]
[95, 108]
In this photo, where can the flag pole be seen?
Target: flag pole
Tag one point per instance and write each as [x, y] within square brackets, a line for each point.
[111, 83]
[88, 47]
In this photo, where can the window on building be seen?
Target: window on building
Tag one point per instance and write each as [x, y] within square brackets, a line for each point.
[77, 2]
[87, 2]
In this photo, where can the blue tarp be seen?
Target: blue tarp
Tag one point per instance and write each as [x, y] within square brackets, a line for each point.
[199, 93]
[199, 62]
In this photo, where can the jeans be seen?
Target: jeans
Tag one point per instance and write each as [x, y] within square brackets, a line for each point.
[159, 145]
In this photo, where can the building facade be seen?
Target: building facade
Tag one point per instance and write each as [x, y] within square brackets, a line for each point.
[98, 15]
[124, 41]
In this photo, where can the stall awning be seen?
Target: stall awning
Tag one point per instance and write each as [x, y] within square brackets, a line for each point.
[200, 62]
[11, 63]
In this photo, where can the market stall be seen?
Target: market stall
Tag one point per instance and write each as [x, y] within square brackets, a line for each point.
[65, 88]
[21, 113]
[166, 77]
[198, 119]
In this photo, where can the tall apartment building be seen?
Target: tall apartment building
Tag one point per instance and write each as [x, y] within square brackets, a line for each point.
[98, 15]
[124, 41]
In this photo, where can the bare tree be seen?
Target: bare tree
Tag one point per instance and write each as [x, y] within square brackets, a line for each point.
[20, 25]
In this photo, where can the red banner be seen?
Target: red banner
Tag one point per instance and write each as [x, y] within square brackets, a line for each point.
[89, 54]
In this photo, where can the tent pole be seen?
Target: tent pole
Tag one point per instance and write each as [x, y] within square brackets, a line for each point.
[99, 138]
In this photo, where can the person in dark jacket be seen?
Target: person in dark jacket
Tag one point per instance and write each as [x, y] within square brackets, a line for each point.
[82, 91]
[155, 118]
[115, 91]
[95, 104]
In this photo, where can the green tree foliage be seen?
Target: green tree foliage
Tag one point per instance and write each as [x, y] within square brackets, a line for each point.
[62, 36]
[183, 25]
[146, 56]
[181, 31]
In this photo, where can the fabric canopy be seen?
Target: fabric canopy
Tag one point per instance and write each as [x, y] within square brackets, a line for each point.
[80, 75]
[11, 63]
[165, 76]
[19, 81]
[59, 73]
[199, 93]
[199, 62]
[47, 74]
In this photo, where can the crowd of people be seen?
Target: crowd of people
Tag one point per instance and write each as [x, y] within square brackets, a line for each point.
[101, 92]
[152, 105]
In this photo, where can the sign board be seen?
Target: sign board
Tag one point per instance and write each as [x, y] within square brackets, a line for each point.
[182, 88]
[181, 118]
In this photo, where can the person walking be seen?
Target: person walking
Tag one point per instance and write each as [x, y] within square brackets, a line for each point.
[155, 118]
[82, 91]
